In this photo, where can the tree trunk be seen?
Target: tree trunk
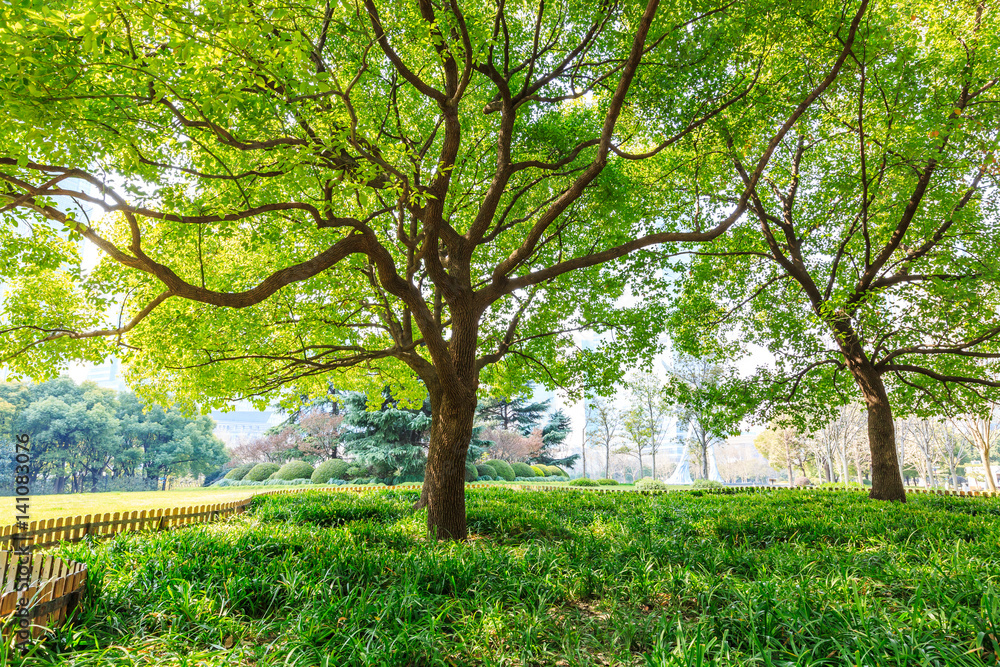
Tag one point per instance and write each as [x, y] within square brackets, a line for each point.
[444, 480]
[654, 464]
[887, 478]
[607, 461]
[991, 482]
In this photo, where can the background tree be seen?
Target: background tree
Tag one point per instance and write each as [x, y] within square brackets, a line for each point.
[604, 429]
[554, 434]
[702, 401]
[636, 436]
[651, 408]
[512, 446]
[978, 430]
[783, 447]
[868, 264]
[435, 193]
[518, 413]
[837, 439]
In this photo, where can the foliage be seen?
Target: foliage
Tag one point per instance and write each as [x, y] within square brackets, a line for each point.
[650, 484]
[518, 413]
[522, 470]
[607, 482]
[391, 439]
[503, 469]
[81, 433]
[707, 484]
[295, 470]
[261, 472]
[582, 481]
[511, 446]
[538, 471]
[471, 474]
[486, 470]
[554, 434]
[332, 469]
[619, 568]
[803, 481]
[239, 472]
[840, 485]
[553, 470]
[437, 195]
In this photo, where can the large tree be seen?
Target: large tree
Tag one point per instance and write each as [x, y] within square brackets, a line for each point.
[433, 194]
[868, 265]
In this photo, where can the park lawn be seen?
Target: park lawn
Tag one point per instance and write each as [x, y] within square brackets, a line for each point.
[79, 504]
[550, 578]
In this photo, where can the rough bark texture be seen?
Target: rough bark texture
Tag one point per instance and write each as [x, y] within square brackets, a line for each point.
[887, 483]
[444, 479]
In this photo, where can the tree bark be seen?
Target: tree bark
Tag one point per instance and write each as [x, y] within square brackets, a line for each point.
[984, 454]
[444, 480]
[887, 482]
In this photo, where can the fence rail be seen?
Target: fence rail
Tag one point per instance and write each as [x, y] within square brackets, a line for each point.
[55, 587]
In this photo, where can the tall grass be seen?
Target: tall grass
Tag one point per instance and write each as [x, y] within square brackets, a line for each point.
[551, 578]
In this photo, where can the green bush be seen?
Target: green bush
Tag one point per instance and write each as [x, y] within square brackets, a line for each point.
[261, 471]
[356, 471]
[294, 470]
[707, 484]
[553, 470]
[332, 469]
[486, 470]
[582, 481]
[803, 481]
[471, 474]
[839, 485]
[607, 482]
[538, 471]
[650, 484]
[239, 472]
[522, 470]
[503, 469]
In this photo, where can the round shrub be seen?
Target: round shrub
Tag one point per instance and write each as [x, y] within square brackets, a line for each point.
[261, 471]
[538, 471]
[471, 474]
[607, 482]
[554, 470]
[503, 469]
[355, 471]
[486, 470]
[327, 470]
[803, 481]
[295, 470]
[485, 478]
[522, 470]
[583, 481]
[707, 484]
[650, 484]
[239, 472]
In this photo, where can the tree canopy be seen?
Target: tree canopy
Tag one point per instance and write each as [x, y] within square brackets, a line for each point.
[435, 193]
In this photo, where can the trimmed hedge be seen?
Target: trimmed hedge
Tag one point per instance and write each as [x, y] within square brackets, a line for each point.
[294, 470]
[582, 481]
[503, 469]
[486, 470]
[239, 472]
[607, 482]
[522, 470]
[261, 471]
[538, 471]
[327, 470]
[471, 474]
[707, 484]
[650, 484]
[553, 470]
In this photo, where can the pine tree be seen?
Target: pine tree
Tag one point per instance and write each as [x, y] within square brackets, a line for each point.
[554, 434]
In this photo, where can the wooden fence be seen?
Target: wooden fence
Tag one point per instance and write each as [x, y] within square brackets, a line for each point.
[54, 589]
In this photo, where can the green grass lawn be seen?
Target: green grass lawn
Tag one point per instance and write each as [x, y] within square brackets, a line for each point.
[551, 578]
[79, 504]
